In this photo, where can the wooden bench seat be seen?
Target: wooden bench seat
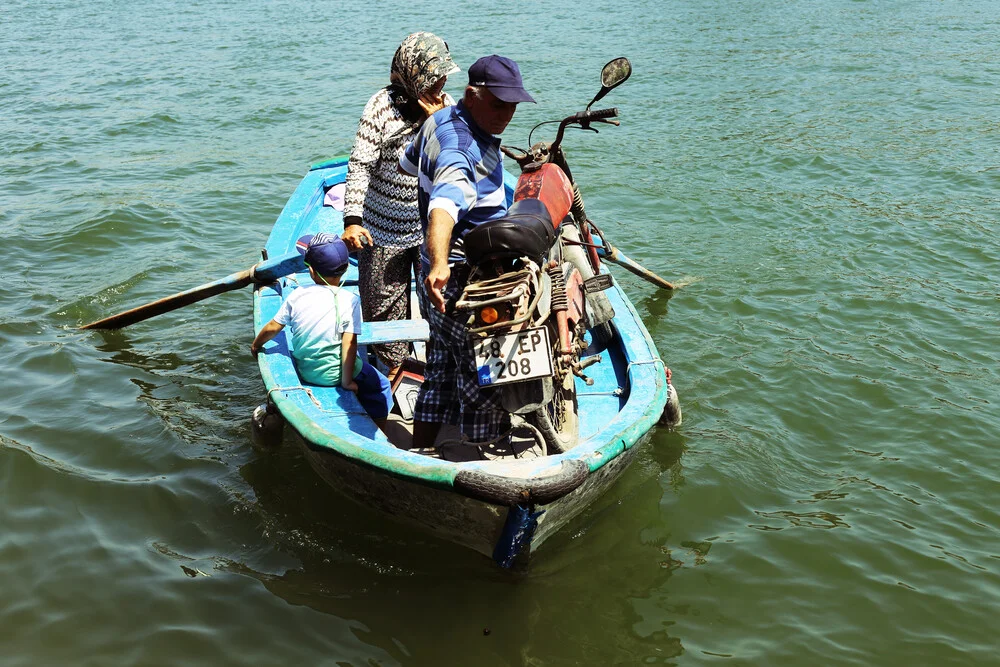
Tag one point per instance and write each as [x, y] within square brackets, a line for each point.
[396, 330]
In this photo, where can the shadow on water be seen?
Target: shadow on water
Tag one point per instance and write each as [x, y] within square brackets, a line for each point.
[118, 344]
[201, 390]
[657, 303]
[413, 595]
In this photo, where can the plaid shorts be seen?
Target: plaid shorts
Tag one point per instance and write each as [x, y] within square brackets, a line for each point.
[450, 393]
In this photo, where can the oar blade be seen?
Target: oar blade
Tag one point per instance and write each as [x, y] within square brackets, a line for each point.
[265, 272]
[231, 282]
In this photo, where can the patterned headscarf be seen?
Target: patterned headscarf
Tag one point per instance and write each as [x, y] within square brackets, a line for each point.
[420, 61]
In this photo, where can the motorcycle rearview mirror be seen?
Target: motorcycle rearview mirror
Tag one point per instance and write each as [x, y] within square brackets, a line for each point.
[614, 74]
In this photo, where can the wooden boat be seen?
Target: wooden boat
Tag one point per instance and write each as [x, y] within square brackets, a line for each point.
[504, 507]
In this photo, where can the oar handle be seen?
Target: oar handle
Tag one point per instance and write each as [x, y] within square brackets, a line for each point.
[616, 256]
[271, 269]
[265, 272]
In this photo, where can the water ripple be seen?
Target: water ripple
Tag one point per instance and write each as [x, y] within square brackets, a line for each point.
[822, 180]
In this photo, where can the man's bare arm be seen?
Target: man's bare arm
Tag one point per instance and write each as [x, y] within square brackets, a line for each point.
[438, 247]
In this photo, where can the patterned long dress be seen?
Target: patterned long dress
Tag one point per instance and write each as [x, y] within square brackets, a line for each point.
[385, 201]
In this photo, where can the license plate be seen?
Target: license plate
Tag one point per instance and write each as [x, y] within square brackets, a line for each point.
[513, 357]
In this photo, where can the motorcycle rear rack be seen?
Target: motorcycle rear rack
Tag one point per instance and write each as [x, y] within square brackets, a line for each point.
[517, 283]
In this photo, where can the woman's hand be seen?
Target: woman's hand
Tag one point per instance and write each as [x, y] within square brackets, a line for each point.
[355, 237]
[431, 103]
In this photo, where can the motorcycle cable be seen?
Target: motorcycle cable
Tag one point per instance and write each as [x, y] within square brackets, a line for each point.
[547, 122]
[544, 122]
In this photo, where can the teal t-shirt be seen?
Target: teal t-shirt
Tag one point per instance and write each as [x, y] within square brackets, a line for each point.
[318, 316]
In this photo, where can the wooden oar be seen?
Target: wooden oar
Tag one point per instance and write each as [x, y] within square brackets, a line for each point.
[616, 256]
[262, 273]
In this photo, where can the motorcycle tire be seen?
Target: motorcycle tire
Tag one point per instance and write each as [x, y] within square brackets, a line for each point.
[560, 438]
[602, 334]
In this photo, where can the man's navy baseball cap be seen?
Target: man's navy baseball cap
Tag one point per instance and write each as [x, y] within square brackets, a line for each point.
[324, 253]
[501, 76]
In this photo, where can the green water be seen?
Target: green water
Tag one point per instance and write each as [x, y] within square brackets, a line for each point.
[823, 173]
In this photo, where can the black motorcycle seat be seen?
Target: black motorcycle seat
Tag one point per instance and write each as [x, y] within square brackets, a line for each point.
[526, 230]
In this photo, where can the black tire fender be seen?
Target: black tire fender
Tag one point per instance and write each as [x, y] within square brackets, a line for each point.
[508, 491]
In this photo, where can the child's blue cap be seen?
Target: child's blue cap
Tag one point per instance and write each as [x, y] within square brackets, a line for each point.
[326, 254]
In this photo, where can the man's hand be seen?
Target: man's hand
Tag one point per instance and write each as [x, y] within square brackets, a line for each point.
[254, 350]
[355, 236]
[350, 385]
[435, 283]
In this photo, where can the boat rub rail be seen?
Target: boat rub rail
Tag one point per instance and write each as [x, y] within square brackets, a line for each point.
[567, 471]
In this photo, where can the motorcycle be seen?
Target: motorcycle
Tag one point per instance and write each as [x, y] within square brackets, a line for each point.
[535, 287]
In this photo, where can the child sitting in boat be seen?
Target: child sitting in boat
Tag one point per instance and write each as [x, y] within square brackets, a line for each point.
[325, 321]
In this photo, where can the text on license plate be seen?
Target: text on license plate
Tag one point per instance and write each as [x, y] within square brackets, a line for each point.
[513, 357]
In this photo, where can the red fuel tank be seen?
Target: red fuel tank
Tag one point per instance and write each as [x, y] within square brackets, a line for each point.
[549, 185]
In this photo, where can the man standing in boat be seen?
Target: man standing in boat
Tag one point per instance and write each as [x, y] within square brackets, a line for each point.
[456, 159]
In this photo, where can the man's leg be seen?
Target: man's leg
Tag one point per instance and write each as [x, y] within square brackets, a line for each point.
[483, 423]
[425, 433]
[436, 401]
[478, 411]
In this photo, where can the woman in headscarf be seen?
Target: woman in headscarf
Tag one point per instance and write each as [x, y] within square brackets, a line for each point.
[381, 221]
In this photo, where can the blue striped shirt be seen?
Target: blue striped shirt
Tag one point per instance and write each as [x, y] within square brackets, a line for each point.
[459, 169]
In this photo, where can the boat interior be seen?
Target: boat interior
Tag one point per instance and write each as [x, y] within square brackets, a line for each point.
[598, 401]
[450, 445]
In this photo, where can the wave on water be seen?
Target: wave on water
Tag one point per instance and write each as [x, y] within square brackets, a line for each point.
[822, 179]
[157, 122]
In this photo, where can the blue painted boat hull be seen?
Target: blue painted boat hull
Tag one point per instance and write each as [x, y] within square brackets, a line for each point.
[502, 508]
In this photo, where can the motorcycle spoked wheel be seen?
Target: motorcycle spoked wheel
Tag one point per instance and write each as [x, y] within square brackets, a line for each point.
[558, 420]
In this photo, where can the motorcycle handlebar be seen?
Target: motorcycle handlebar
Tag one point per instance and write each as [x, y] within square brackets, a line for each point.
[599, 114]
[515, 154]
[582, 118]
